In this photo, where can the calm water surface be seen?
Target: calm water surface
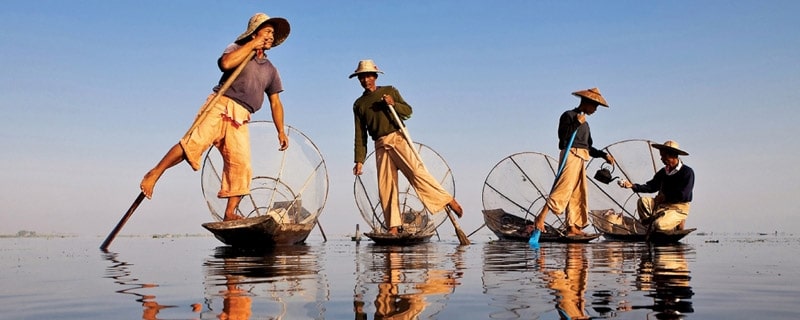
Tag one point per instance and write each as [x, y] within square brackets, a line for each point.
[706, 277]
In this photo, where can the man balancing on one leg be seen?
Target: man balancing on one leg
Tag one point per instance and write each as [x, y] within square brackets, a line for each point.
[570, 192]
[224, 124]
[392, 151]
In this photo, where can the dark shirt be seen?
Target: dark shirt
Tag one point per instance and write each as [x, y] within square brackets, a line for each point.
[567, 124]
[675, 188]
[371, 116]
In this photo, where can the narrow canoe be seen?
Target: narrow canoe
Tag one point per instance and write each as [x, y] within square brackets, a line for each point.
[259, 232]
[507, 226]
[617, 227]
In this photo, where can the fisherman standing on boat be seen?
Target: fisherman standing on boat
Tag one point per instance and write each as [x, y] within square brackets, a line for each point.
[392, 151]
[224, 124]
[570, 191]
[674, 184]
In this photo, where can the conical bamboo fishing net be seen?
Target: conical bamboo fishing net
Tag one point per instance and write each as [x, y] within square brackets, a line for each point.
[290, 185]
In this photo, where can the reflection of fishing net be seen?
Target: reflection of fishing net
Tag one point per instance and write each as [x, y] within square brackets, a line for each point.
[415, 217]
[519, 185]
[637, 162]
[290, 185]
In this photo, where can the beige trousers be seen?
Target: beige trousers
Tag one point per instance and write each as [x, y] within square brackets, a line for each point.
[669, 215]
[222, 125]
[570, 193]
[392, 153]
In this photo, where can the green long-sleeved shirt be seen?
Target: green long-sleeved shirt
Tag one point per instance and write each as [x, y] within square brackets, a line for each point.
[371, 116]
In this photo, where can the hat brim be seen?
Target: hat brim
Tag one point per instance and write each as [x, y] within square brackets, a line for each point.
[599, 101]
[282, 30]
[360, 72]
[669, 149]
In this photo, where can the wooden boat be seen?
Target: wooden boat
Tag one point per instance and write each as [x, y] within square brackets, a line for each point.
[616, 227]
[418, 224]
[259, 232]
[401, 239]
[288, 223]
[288, 191]
[507, 226]
[416, 228]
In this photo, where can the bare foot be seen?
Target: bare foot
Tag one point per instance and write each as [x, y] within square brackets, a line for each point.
[456, 207]
[232, 217]
[575, 231]
[148, 183]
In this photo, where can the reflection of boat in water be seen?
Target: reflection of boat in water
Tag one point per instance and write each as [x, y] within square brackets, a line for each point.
[515, 190]
[507, 226]
[418, 224]
[281, 282]
[664, 273]
[288, 191]
[547, 283]
[618, 218]
[511, 292]
[617, 227]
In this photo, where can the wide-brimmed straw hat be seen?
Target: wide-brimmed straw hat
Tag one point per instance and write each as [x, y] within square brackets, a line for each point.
[592, 94]
[670, 146]
[280, 25]
[365, 66]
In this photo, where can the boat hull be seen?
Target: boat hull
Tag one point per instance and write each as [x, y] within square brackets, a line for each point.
[402, 239]
[616, 227]
[259, 232]
[509, 227]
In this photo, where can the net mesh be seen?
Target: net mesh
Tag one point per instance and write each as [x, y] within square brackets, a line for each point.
[415, 217]
[519, 185]
[636, 161]
[290, 185]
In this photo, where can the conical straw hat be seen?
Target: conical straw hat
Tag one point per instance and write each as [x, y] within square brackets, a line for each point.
[592, 94]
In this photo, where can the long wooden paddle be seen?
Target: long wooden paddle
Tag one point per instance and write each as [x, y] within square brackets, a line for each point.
[122, 222]
[139, 199]
[462, 238]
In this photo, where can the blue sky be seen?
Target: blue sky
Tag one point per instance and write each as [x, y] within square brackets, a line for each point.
[96, 91]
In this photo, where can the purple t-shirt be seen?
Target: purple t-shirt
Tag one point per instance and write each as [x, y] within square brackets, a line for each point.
[258, 77]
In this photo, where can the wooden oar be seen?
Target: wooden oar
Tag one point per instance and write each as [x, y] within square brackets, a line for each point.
[122, 222]
[462, 238]
[139, 199]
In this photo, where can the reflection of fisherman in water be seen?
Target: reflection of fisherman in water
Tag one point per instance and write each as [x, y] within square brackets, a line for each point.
[570, 282]
[236, 303]
[276, 283]
[151, 306]
[664, 272]
[401, 293]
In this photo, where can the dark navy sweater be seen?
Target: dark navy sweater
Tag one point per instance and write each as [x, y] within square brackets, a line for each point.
[676, 188]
